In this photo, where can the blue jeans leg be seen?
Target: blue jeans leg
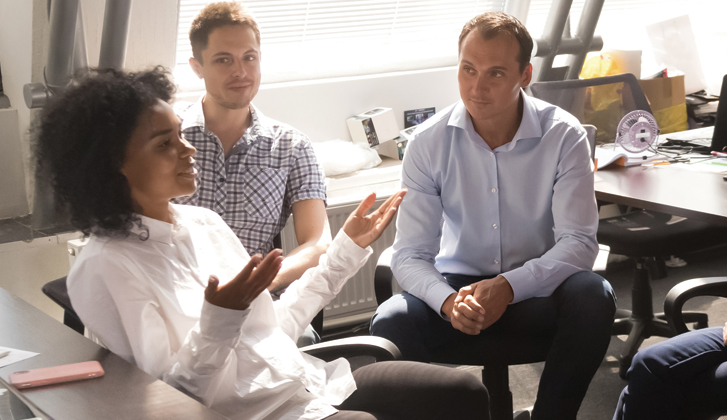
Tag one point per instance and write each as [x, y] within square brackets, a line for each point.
[684, 373]
[578, 316]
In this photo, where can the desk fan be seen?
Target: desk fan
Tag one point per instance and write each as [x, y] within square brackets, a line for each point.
[637, 131]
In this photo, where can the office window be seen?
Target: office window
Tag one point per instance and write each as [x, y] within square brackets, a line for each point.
[622, 22]
[332, 38]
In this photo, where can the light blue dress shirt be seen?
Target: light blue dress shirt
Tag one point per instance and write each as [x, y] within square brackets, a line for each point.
[526, 210]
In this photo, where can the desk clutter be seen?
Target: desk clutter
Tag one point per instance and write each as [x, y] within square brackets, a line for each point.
[377, 128]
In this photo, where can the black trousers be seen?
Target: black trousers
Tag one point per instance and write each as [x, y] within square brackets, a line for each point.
[409, 390]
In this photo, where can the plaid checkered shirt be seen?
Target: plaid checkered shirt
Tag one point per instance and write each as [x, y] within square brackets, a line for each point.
[268, 170]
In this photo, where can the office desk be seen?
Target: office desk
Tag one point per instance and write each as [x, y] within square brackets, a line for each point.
[695, 195]
[124, 392]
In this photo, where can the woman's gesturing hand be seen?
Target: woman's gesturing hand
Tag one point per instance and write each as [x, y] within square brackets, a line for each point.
[365, 229]
[247, 285]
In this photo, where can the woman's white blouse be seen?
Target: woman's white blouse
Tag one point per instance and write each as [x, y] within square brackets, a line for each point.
[144, 300]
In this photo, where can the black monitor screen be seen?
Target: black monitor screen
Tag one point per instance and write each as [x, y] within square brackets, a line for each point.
[719, 139]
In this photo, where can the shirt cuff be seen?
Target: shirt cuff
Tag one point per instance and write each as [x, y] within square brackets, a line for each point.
[522, 282]
[221, 323]
[436, 296]
[312, 194]
[344, 252]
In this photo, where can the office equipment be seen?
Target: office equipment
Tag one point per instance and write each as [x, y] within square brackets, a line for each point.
[375, 126]
[719, 138]
[637, 131]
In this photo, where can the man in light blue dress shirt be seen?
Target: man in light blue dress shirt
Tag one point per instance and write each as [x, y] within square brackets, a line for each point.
[498, 228]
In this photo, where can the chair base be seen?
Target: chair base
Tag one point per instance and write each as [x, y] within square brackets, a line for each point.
[641, 322]
[641, 328]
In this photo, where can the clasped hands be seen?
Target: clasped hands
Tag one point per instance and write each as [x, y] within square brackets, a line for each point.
[363, 229]
[477, 306]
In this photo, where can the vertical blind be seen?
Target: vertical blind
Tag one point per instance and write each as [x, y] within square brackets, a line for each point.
[329, 38]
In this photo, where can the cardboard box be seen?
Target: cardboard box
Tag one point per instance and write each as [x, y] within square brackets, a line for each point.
[667, 99]
[664, 92]
[376, 126]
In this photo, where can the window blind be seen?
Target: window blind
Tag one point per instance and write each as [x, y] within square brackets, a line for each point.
[329, 38]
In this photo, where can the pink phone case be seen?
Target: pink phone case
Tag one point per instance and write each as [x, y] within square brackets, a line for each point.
[56, 374]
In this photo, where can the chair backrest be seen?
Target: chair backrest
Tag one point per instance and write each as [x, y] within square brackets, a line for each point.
[602, 101]
[57, 291]
[591, 136]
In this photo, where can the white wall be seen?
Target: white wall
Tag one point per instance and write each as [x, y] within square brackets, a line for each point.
[320, 108]
[15, 61]
[27, 266]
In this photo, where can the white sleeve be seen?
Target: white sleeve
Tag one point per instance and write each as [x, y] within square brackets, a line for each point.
[203, 359]
[304, 298]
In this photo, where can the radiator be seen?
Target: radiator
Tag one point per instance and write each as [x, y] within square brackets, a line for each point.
[357, 300]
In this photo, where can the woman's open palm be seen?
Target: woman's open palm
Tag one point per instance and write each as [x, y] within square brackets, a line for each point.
[364, 229]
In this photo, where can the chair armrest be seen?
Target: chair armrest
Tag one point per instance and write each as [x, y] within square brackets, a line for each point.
[379, 348]
[682, 292]
[383, 276]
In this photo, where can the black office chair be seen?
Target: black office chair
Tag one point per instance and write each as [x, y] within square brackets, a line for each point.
[494, 354]
[675, 299]
[57, 291]
[645, 236]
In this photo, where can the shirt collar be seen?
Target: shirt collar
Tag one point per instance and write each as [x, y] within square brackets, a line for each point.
[194, 117]
[156, 230]
[529, 125]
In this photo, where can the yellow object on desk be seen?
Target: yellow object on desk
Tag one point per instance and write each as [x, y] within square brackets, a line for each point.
[656, 163]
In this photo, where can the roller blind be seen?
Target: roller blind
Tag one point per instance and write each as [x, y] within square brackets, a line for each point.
[329, 38]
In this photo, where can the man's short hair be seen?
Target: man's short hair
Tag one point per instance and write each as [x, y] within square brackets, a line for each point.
[492, 24]
[216, 15]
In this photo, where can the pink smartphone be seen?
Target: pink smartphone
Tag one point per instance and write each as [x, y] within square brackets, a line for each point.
[56, 374]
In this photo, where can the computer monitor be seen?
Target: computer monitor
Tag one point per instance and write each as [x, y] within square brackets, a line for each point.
[719, 138]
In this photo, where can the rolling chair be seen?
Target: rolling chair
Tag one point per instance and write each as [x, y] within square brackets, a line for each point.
[656, 234]
[494, 354]
[675, 299]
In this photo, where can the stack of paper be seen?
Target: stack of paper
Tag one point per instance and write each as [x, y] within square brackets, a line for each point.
[609, 154]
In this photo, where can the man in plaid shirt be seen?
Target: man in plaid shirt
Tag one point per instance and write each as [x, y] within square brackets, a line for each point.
[253, 171]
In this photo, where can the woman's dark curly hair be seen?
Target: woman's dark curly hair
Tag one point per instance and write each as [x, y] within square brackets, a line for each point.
[82, 136]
